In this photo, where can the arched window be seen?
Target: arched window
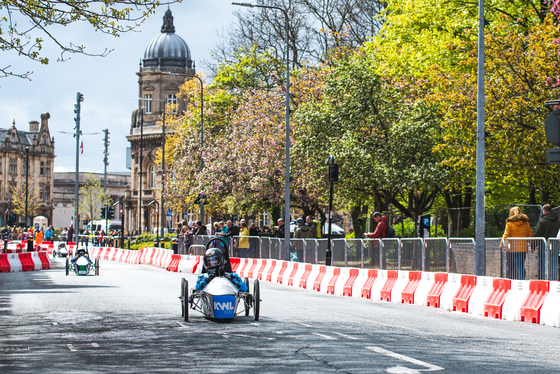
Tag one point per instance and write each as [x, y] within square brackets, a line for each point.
[152, 177]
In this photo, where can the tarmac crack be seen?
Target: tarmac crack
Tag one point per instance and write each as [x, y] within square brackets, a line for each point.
[324, 362]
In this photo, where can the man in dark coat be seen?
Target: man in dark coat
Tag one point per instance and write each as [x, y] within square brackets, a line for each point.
[548, 227]
[202, 229]
[279, 230]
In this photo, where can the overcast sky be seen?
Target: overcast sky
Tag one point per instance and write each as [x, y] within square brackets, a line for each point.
[109, 84]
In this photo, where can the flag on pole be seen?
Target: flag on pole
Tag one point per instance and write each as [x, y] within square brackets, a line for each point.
[82, 148]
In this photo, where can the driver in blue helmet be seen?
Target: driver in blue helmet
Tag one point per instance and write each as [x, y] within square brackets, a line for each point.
[216, 265]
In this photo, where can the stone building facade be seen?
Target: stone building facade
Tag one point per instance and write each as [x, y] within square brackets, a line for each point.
[64, 191]
[13, 144]
[166, 53]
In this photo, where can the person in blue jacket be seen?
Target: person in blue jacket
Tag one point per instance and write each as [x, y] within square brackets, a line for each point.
[215, 263]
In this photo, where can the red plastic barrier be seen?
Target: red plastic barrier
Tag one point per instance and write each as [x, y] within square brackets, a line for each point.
[347, 289]
[392, 277]
[261, 269]
[26, 261]
[175, 259]
[332, 282]
[531, 308]
[440, 279]
[319, 279]
[493, 306]
[196, 264]
[461, 300]
[305, 276]
[44, 260]
[234, 263]
[269, 274]
[115, 253]
[292, 275]
[281, 273]
[107, 253]
[242, 268]
[4, 263]
[414, 278]
[366, 289]
[252, 268]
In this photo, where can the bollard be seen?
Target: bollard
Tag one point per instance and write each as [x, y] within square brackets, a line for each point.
[30, 244]
[174, 246]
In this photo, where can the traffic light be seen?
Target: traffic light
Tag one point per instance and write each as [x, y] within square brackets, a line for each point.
[103, 212]
[7, 217]
[120, 211]
[111, 212]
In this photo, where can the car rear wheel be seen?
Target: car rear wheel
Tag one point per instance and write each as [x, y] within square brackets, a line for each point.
[182, 297]
[67, 266]
[96, 266]
[186, 301]
[247, 305]
[256, 299]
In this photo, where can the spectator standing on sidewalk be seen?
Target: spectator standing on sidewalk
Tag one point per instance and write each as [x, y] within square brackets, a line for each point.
[70, 237]
[548, 227]
[279, 230]
[201, 230]
[312, 226]
[517, 226]
[303, 231]
[244, 240]
[381, 228]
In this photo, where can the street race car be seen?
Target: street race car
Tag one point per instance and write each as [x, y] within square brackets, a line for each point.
[81, 264]
[219, 299]
[62, 251]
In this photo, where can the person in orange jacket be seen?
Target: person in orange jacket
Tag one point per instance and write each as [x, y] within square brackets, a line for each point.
[517, 226]
[38, 236]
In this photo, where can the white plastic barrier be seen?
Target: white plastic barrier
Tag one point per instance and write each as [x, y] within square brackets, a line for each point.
[288, 271]
[359, 283]
[326, 279]
[37, 261]
[550, 310]
[483, 289]
[341, 281]
[276, 271]
[511, 310]
[297, 276]
[426, 283]
[378, 285]
[15, 263]
[400, 284]
[450, 291]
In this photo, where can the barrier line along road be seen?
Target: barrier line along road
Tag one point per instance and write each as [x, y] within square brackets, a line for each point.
[398, 356]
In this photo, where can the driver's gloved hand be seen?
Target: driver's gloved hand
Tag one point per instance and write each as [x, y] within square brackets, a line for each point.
[228, 276]
[211, 276]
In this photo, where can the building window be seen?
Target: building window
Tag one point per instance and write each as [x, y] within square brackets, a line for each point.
[47, 191]
[48, 169]
[42, 169]
[172, 99]
[13, 166]
[0, 165]
[148, 103]
[152, 177]
[41, 193]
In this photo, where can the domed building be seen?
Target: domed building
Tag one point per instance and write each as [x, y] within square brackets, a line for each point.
[165, 53]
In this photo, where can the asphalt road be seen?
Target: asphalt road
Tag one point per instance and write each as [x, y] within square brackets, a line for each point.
[128, 320]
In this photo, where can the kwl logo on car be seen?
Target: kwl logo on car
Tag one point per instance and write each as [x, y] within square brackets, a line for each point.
[223, 306]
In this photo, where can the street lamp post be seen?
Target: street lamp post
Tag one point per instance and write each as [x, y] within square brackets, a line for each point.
[162, 162]
[201, 130]
[157, 218]
[287, 176]
[26, 182]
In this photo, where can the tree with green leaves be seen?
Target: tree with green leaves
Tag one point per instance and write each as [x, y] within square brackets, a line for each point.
[17, 196]
[92, 198]
[26, 26]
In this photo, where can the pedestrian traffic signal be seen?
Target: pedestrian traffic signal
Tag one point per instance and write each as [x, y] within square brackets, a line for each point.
[103, 212]
[111, 212]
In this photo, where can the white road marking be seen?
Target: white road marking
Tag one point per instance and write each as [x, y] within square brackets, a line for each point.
[325, 336]
[183, 325]
[398, 356]
[255, 324]
[95, 345]
[346, 336]
[54, 323]
[303, 324]
[71, 348]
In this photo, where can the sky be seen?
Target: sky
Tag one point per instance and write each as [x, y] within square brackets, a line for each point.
[109, 84]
